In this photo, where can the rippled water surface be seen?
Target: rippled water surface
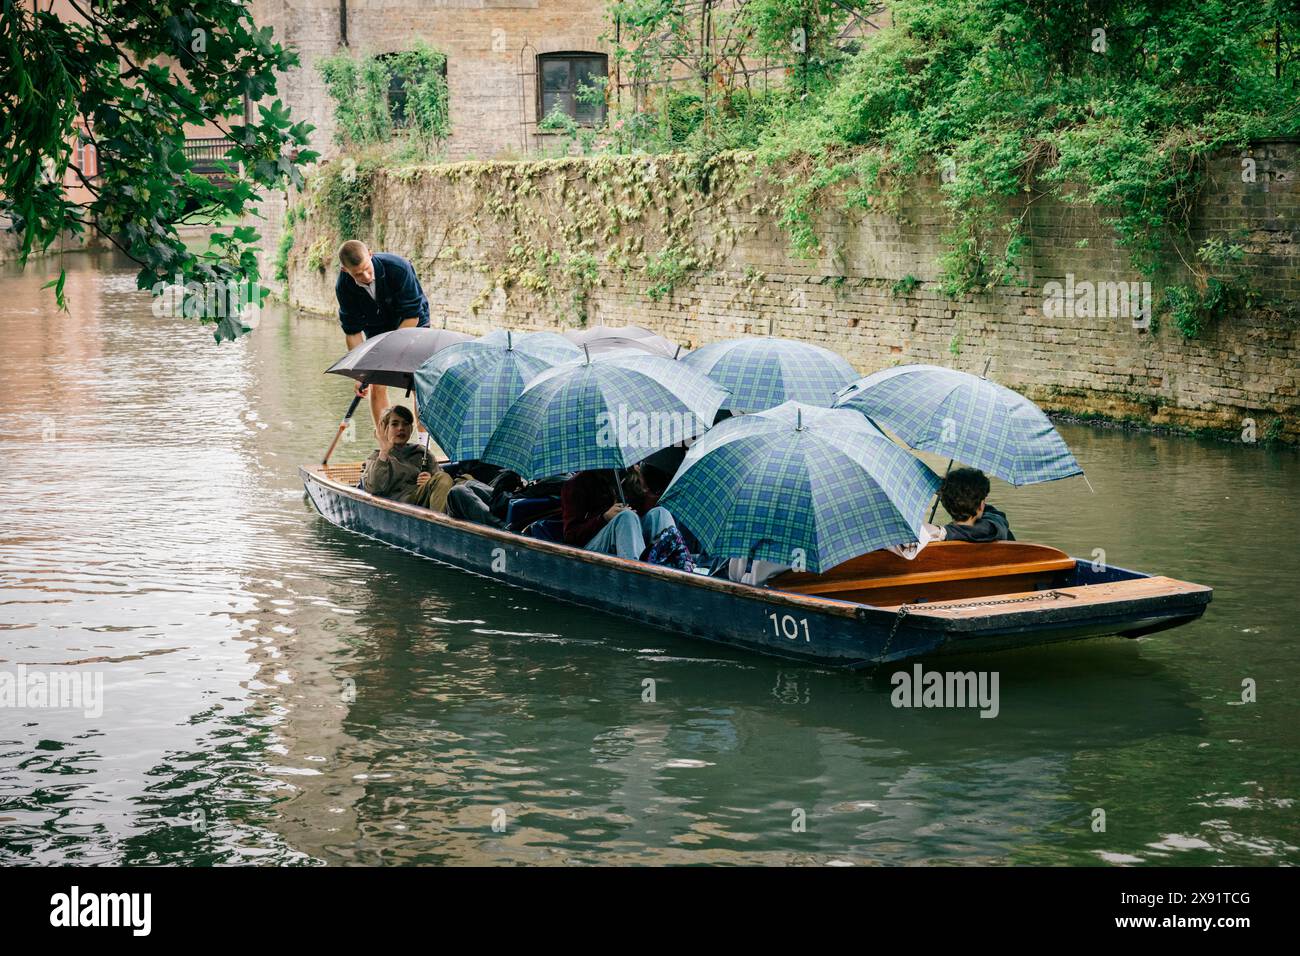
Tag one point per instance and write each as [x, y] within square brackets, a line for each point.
[279, 691]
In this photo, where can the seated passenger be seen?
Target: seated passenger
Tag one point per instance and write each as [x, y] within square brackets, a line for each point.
[596, 520]
[965, 496]
[407, 472]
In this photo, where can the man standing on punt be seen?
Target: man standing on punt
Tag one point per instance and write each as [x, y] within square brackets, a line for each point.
[376, 293]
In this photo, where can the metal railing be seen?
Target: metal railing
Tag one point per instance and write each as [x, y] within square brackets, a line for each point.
[208, 154]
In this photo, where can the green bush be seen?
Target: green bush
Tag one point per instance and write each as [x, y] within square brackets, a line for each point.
[1114, 103]
[360, 88]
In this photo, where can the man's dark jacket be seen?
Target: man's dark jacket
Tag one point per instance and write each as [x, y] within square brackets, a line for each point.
[398, 296]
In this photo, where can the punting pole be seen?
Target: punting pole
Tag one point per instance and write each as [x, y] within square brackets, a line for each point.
[936, 497]
[343, 426]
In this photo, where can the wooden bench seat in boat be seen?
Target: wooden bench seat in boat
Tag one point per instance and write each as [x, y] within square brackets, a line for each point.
[345, 474]
[349, 473]
[943, 571]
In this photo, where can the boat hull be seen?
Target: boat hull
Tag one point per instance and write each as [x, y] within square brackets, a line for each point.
[795, 626]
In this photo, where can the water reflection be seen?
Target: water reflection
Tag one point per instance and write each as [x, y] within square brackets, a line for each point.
[280, 691]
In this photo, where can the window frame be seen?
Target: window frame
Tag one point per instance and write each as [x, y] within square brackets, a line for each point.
[572, 56]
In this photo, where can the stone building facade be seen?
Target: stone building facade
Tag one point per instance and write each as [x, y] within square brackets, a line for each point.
[495, 50]
[492, 48]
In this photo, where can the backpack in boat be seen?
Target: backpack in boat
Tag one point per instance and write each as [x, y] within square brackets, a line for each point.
[508, 486]
[505, 487]
[669, 550]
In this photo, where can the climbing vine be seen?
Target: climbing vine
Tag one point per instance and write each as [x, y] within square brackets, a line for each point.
[1117, 104]
[1114, 103]
[378, 95]
[552, 228]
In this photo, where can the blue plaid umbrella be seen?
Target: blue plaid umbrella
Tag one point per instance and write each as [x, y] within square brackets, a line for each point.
[463, 391]
[605, 412]
[609, 338]
[964, 417]
[763, 373]
[800, 478]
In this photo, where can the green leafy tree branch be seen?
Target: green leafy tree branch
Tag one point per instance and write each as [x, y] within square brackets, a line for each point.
[128, 76]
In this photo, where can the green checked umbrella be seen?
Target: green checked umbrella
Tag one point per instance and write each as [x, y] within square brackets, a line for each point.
[819, 480]
[463, 391]
[964, 417]
[604, 412]
[764, 373]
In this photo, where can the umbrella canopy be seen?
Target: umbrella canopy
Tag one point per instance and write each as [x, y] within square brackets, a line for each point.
[609, 411]
[463, 391]
[764, 373]
[964, 417]
[799, 478]
[606, 338]
[392, 357]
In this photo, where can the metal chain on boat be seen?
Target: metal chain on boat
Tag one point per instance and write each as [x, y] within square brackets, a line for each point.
[1041, 596]
[898, 619]
[905, 609]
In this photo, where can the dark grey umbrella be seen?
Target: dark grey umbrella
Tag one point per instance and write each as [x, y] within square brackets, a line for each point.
[393, 357]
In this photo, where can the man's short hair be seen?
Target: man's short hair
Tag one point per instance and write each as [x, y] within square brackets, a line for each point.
[962, 492]
[352, 253]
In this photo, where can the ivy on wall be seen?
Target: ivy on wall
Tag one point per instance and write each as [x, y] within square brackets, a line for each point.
[376, 96]
[1113, 103]
[643, 217]
[552, 228]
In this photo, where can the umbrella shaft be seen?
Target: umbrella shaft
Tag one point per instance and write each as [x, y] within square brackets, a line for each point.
[936, 497]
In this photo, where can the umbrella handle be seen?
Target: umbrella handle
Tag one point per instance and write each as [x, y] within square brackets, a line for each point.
[343, 425]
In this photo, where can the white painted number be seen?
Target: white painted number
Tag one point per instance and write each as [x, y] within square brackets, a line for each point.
[788, 627]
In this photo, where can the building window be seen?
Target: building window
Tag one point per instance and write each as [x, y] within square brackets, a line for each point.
[400, 77]
[573, 83]
[86, 156]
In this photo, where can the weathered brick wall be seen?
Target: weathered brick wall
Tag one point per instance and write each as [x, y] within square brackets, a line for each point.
[500, 244]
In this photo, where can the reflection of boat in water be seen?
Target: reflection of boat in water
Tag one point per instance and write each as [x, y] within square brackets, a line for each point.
[954, 597]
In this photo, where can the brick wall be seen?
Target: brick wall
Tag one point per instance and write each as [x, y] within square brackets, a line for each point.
[464, 225]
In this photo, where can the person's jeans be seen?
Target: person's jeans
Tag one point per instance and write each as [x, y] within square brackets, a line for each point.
[627, 534]
[469, 500]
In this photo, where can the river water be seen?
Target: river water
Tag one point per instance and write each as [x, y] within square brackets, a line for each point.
[277, 691]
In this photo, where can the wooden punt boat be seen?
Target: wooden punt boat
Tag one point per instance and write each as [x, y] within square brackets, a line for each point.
[954, 597]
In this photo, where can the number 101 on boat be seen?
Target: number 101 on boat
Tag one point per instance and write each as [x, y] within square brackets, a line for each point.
[790, 627]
